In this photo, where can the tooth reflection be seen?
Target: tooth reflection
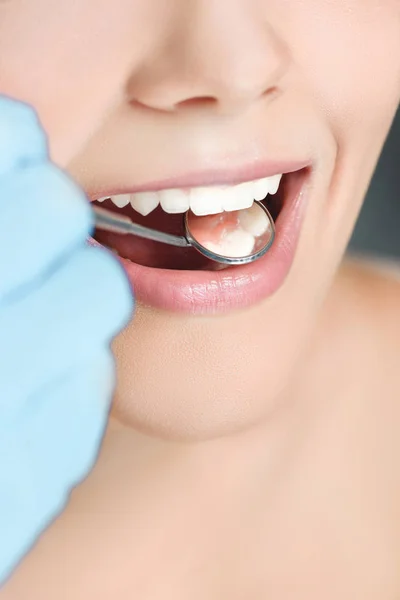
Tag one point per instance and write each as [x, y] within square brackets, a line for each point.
[236, 234]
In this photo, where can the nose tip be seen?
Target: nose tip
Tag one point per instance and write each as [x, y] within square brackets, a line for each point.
[210, 68]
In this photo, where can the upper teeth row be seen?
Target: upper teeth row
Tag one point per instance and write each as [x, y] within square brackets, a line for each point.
[201, 200]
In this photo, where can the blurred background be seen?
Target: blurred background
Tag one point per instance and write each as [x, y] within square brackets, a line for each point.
[378, 227]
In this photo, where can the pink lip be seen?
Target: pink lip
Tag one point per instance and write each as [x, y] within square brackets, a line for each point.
[206, 292]
[235, 176]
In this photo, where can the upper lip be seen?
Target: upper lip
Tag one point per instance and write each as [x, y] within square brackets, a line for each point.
[210, 177]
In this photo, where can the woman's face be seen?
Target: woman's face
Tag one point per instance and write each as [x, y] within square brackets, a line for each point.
[139, 95]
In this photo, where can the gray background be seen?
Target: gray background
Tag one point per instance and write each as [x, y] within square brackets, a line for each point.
[378, 228]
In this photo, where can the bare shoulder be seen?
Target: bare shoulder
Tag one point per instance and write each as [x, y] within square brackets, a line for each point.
[378, 283]
[358, 332]
[369, 291]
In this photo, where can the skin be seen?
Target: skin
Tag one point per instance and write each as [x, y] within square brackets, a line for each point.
[260, 429]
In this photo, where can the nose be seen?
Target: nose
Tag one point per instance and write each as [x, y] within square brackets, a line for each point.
[217, 54]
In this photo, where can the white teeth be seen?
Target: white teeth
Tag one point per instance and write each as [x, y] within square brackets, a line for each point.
[121, 200]
[201, 200]
[238, 197]
[274, 183]
[261, 188]
[206, 200]
[174, 201]
[144, 203]
[268, 185]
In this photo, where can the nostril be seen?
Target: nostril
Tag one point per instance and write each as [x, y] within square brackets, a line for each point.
[198, 102]
[214, 102]
[271, 93]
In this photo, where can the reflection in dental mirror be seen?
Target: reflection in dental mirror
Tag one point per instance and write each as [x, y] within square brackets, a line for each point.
[235, 237]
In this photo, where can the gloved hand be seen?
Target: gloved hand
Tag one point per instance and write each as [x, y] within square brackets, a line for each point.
[61, 303]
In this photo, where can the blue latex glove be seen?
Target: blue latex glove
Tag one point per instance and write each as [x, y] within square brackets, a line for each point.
[61, 303]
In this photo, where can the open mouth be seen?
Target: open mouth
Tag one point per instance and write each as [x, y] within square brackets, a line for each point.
[183, 280]
[163, 211]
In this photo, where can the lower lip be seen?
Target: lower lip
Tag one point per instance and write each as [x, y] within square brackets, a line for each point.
[216, 292]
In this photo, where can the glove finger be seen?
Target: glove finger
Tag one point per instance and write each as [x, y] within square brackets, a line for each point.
[22, 139]
[44, 215]
[76, 312]
[50, 451]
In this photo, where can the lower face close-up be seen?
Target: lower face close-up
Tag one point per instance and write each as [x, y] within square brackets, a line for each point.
[161, 108]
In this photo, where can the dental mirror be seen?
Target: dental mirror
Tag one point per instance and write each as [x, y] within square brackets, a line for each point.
[231, 238]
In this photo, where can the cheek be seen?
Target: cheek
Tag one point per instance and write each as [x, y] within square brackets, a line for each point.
[356, 70]
[179, 377]
[70, 60]
[347, 54]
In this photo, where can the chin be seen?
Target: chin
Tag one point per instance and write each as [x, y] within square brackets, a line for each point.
[189, 380]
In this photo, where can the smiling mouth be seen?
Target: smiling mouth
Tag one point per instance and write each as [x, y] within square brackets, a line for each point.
[164, 210]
